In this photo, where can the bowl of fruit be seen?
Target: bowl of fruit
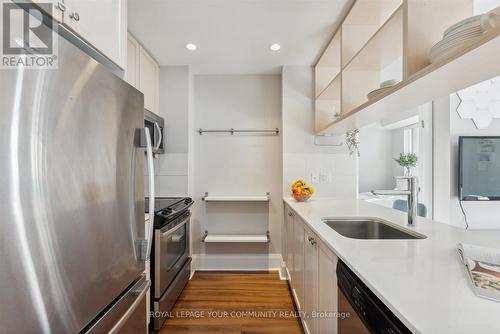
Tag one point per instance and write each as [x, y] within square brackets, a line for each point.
[301, 192]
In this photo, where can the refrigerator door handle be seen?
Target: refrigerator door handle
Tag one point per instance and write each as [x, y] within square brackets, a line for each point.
[158, 143]
[139, 292]
[142, 246]
[151, 177]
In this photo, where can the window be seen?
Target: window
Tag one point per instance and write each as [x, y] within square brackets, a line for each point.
[411, 139]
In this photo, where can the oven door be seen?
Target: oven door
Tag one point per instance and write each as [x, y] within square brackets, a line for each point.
[171, 251]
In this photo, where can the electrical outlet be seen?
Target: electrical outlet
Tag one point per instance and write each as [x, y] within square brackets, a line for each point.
[314, 178]
[325, 178]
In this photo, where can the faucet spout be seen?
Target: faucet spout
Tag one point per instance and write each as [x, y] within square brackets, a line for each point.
[390, 192]
[411, 193]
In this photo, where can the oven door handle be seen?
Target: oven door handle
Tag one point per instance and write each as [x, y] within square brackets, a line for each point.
[171, 231]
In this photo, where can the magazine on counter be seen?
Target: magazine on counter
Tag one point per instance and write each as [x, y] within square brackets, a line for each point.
[483, 267]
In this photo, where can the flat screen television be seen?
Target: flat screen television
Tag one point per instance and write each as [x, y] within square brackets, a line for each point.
[479, 174]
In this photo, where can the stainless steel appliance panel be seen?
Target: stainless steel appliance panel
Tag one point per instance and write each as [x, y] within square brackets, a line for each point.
[171, 251]
[68, 210]
[127, 315]
[167, 301]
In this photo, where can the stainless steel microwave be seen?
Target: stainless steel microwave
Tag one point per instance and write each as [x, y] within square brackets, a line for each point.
[156, 126]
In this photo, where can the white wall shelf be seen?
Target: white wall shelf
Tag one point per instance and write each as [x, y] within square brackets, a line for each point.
[232, 198]
[236, 238]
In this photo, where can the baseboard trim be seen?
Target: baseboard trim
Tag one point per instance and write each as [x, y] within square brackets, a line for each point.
[240, 262]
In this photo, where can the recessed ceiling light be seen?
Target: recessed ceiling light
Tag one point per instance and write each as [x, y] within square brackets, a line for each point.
[191, 46]
[275, 47]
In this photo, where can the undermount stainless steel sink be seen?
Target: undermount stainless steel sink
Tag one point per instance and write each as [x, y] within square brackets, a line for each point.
[369, 228]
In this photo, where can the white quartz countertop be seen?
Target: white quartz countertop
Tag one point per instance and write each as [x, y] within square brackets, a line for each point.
[421, 280]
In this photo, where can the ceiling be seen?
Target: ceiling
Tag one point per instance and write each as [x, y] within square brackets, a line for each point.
[233, 36]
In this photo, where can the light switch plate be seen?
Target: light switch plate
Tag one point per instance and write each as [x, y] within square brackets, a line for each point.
[325, 178]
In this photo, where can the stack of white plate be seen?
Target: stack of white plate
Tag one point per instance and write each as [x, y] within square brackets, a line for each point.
[463, 34]
[384, 87]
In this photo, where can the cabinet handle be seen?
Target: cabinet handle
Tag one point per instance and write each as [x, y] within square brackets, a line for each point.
[75, 16]
[61, 6]
[290, 214]
[312, 241]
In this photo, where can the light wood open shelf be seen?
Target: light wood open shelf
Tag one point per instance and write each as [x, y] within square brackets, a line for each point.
[390, 40]
[378, 60]
[328, 104]
[473, 64]
[361, 23]
[328, 66]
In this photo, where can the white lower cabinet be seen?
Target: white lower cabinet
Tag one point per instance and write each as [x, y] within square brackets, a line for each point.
[298, 262]
[310, 280]
[288, 256]
[327, 291]
[313, 280]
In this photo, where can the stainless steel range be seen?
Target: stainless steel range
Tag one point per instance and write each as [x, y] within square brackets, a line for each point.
[170, 261]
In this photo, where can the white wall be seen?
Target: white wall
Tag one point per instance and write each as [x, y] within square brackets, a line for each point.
[448, 126]
[236, 165]
[301, 157]
[376, 162]
[480, 214]
[171, 168]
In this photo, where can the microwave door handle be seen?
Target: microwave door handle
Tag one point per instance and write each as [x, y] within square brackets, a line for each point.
[151, 179]
[158, 143]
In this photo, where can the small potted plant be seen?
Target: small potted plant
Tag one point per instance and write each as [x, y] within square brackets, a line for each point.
[407, 161]
[352, 141]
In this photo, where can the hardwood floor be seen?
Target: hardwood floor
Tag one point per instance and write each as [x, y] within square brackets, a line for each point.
[234, 303]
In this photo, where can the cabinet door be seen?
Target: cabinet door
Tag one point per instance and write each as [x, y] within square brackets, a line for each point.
[148, 80]
[132, 70]
[298, 262]
[102, 23]
[327, 291]
[289, 237]
[310, 280]
[57, 8]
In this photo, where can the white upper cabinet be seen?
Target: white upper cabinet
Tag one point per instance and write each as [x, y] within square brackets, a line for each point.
[102, 23]
[149, 74]
[132, 70]
[143, 73]
[58, 8]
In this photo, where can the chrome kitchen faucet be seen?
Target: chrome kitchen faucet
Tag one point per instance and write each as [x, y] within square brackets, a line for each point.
[411, 193]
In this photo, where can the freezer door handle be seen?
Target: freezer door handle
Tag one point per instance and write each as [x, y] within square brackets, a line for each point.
[136, 291]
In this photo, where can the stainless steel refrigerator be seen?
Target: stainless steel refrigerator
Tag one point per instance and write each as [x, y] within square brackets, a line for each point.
[72, 236]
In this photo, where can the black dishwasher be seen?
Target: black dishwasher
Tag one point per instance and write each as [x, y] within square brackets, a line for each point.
[367, 313]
